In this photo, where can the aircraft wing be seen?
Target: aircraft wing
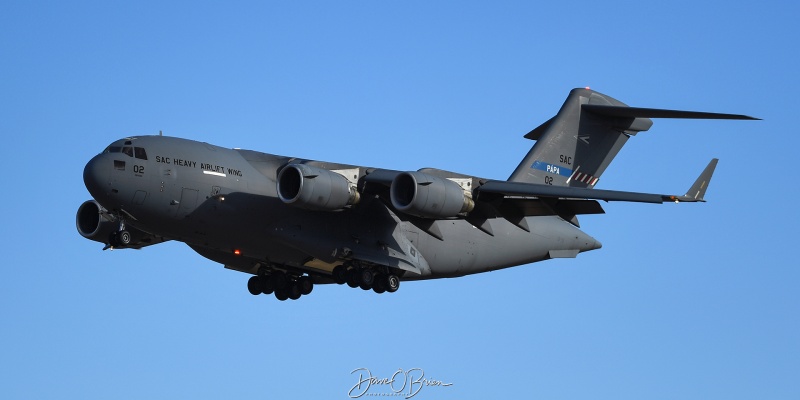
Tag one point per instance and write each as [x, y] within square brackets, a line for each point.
[695, 193]
[514, 201]
[377, 180]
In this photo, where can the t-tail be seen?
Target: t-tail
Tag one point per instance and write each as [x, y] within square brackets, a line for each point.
[576, 146]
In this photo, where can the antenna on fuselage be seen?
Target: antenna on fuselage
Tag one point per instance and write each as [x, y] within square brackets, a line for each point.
[160, 133]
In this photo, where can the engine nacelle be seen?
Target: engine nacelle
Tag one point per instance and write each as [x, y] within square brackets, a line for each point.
[313, 188]
[94, 223]
[428, 196]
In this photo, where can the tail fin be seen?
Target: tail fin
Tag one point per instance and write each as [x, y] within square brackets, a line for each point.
[576, 146]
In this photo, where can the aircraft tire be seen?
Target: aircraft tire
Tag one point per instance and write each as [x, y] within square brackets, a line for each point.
[254, 286]
[294, 291]
[379, 286]
[364, 286]
[265, 283]
[367, 277]
[339, 274]
[392, 283]
[306, 285]
[352, 279]
[281, 294]
[124, 237]
[279, 280]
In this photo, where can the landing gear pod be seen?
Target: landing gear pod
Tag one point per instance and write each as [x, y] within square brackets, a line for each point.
[428, 196]
[315, 188]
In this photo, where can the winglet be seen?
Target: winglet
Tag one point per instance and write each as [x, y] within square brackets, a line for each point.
[698, 189]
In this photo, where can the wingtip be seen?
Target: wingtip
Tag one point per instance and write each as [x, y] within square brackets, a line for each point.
[698, 190]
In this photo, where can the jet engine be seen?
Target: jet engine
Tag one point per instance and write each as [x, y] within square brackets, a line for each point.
[94, 223]
[428, 196]
[313, 188]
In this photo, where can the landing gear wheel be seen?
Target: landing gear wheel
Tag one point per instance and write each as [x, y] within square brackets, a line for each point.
[281, 294]
[364, 286]
[352, 278]
[279, 280]
[306, 285]
[380, 284]
[124, 237]
[294, 291]
[392, 283]
[266, 284]
[254, 286]
[339, 274]
[367, 277]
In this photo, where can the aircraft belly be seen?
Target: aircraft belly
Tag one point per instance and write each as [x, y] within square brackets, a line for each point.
[243, 222]
[328, 238]
[371, 234]
[467, 250]
[284, 235]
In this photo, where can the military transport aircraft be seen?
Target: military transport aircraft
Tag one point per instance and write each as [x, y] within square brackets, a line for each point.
[293, 223]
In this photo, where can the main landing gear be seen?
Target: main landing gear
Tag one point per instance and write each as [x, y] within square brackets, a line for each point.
[283, 285]
[366, 278]
[288, 286]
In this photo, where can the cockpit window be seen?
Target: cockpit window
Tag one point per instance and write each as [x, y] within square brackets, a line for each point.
[140, 153]
[130, 151]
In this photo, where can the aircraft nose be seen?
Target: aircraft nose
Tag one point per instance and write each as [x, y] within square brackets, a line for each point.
[95, 177]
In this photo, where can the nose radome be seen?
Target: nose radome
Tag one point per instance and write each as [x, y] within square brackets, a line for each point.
[95, 177]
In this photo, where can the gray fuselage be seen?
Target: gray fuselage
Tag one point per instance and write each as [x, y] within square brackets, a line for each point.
[224, 204]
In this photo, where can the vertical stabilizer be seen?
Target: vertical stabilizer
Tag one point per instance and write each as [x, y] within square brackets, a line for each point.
[575, 147]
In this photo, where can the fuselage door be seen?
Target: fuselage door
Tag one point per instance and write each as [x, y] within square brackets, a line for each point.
[187, 203]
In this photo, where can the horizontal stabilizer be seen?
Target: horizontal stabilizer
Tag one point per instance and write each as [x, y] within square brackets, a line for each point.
[637, 112]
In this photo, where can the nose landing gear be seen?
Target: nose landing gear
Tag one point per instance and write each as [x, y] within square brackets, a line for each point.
[120, 238]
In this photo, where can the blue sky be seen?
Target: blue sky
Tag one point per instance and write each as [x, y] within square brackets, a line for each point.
[690, 301]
